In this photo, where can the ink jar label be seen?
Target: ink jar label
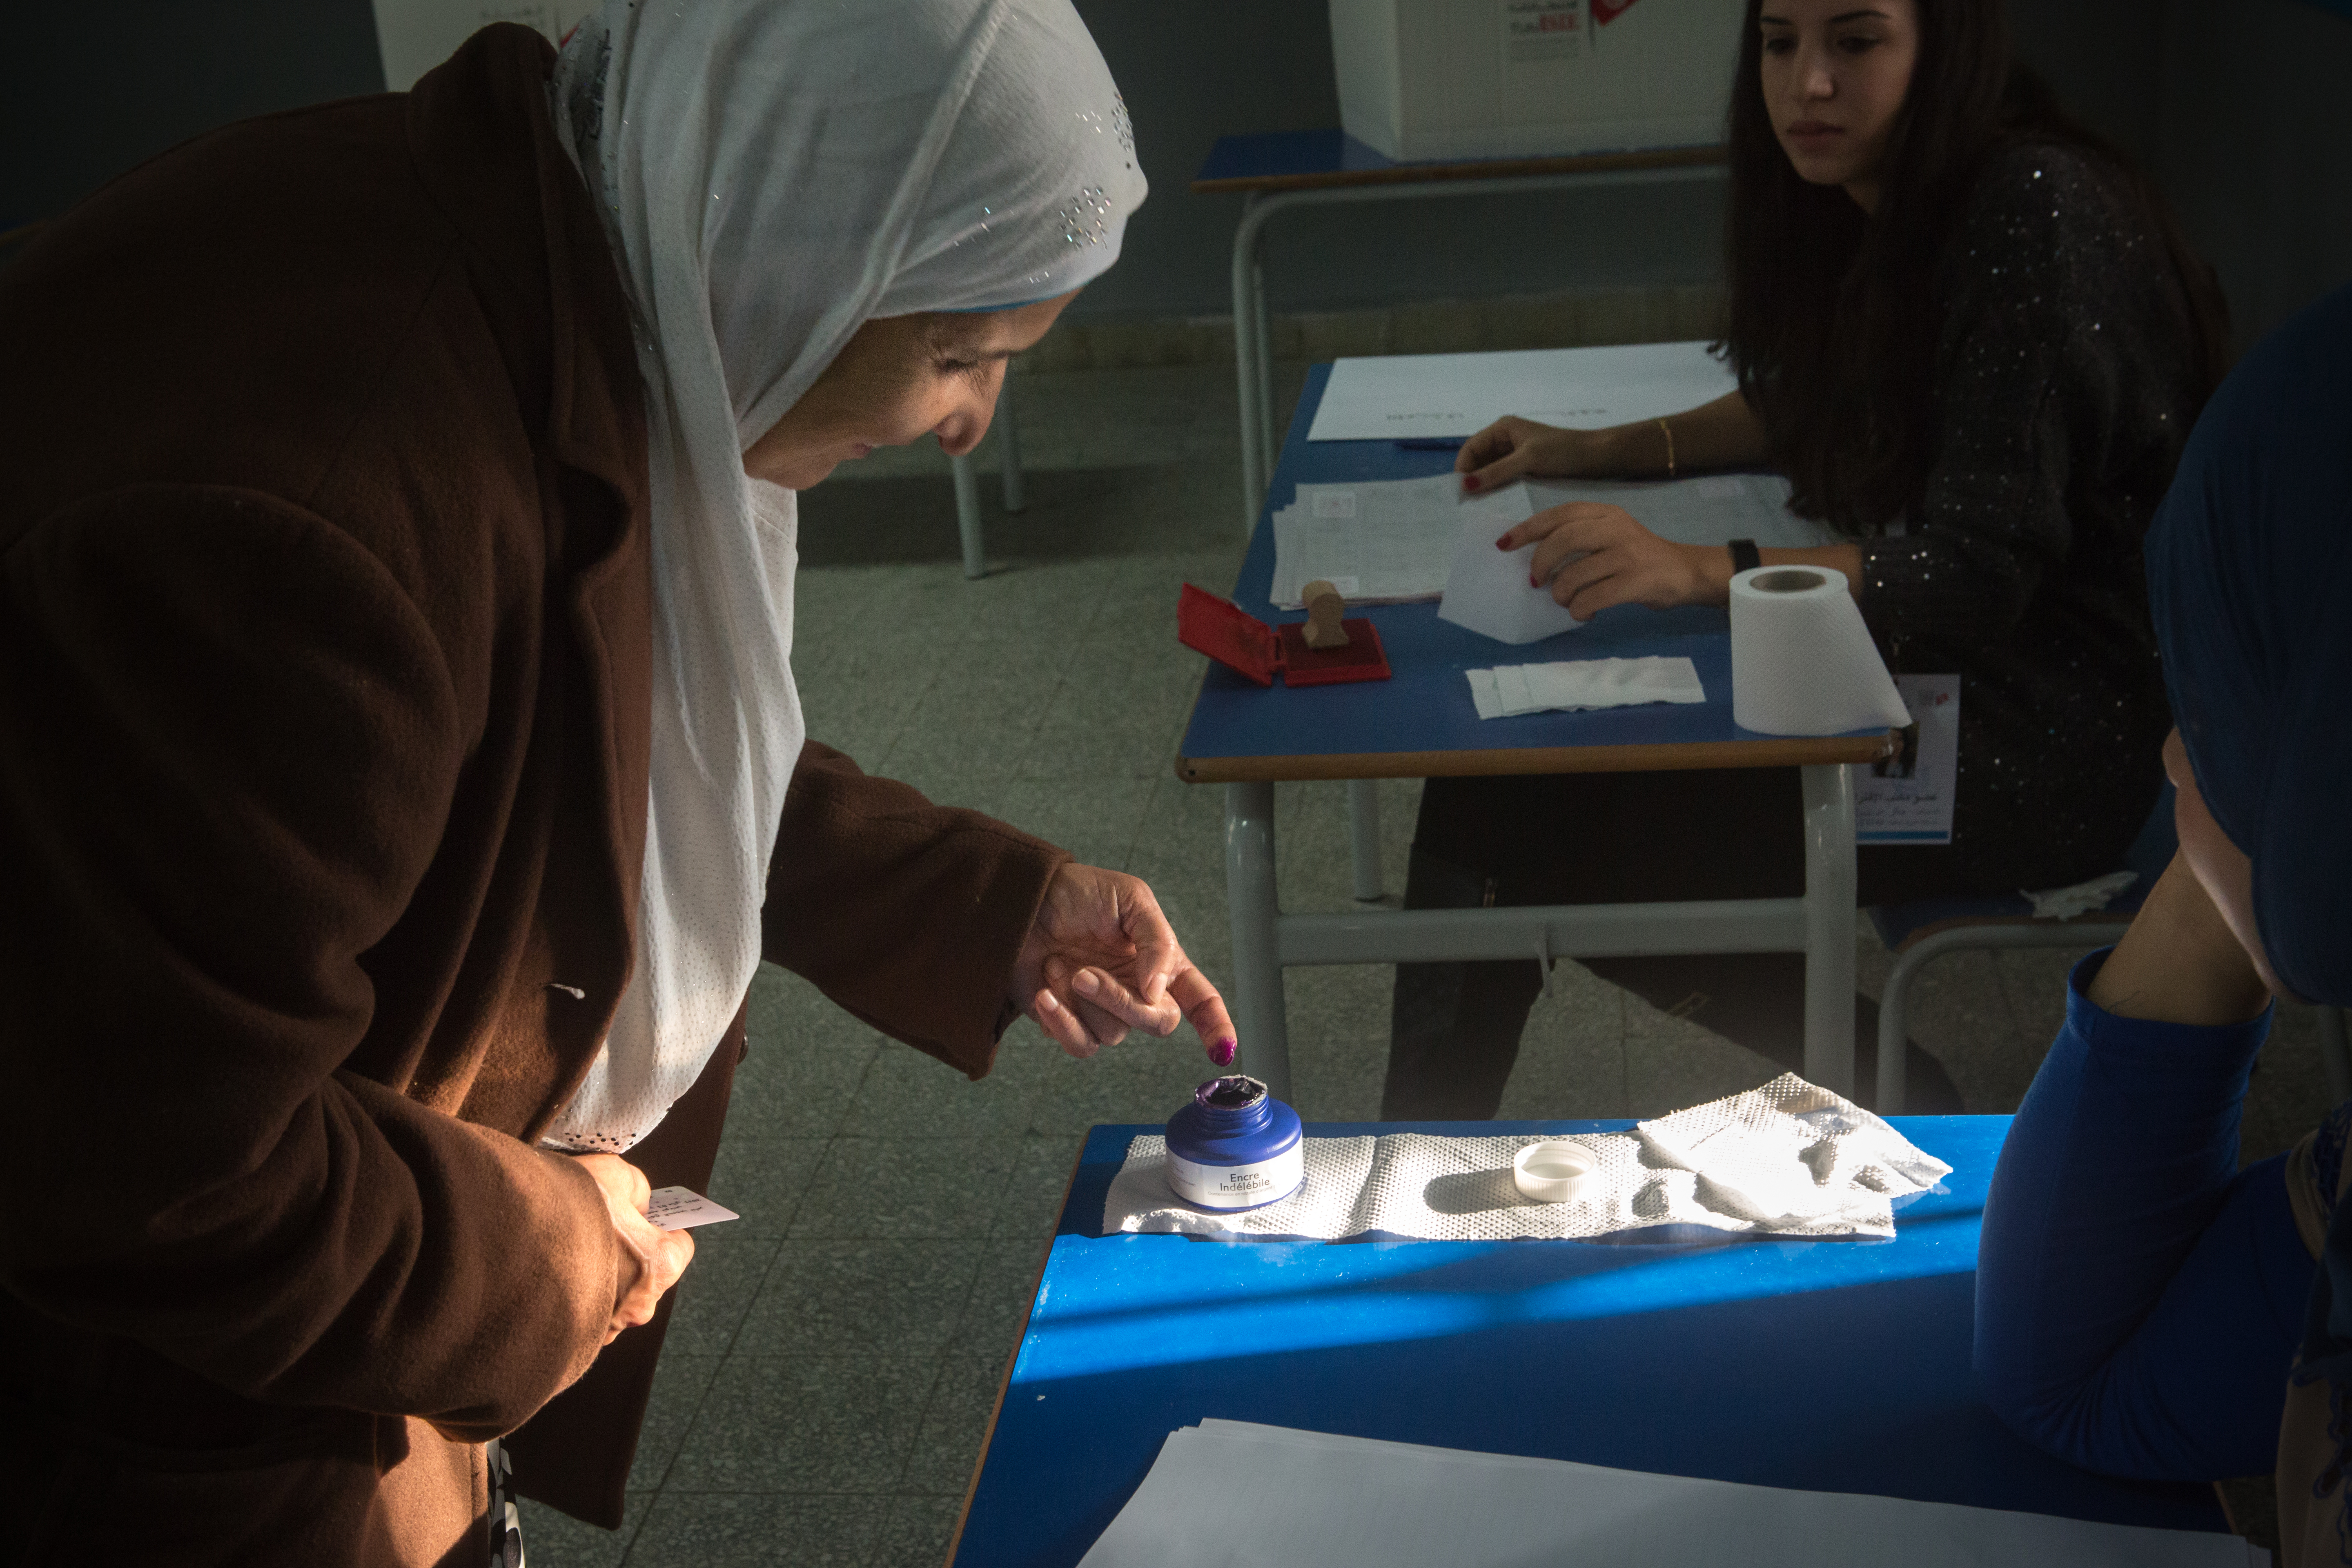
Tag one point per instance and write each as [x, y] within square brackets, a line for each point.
[1238, 1186]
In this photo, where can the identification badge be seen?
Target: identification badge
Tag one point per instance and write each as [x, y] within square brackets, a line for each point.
[1907, 799]
[682, 1208]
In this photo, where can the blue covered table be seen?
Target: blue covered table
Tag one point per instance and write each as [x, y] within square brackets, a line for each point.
[1827, 1365]
[1420, 724]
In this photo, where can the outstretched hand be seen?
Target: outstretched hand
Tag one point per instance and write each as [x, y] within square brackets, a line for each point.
[1101, 959]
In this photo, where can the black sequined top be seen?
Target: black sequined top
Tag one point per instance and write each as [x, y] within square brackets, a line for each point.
[2066, 384]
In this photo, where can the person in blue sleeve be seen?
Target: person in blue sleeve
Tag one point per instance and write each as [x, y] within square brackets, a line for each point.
[2144, 1307]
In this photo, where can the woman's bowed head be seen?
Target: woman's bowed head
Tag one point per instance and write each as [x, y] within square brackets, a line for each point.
[899, 379]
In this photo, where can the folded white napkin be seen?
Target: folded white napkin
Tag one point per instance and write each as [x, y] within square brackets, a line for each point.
[1787, 1159]
[1508, 690]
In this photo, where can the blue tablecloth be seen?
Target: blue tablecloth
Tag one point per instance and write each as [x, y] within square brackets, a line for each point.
[1831, 1365]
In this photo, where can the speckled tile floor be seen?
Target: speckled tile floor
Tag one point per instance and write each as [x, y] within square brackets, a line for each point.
[834, 1362]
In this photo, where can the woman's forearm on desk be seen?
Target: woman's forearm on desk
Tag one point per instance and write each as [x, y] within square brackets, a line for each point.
[1723, 433]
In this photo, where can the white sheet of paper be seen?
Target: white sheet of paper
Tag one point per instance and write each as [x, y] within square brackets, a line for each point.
[1715, 508]
[1399, 397]
[1486, 591]
[1909, 799]
[682, 1208]
[1234, 1493]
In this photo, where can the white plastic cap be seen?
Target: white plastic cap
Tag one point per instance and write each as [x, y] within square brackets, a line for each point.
[1555, 1171]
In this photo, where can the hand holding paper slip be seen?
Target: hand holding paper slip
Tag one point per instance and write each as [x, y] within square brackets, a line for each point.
[682, 1208]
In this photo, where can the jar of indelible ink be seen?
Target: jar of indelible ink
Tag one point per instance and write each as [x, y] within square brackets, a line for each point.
[1234, 1147]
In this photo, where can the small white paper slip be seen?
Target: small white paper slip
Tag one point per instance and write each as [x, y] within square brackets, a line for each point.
[683, 1209]
[1509, 691]
[1907, 799]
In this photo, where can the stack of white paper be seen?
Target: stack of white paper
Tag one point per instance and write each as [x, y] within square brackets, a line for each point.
[1384, 542]
[1508, 690]
[1234, 1493]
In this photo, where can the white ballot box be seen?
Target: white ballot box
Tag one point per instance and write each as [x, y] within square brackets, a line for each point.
[1423, 79]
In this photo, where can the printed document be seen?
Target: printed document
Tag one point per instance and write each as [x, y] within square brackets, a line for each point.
[1418, 396]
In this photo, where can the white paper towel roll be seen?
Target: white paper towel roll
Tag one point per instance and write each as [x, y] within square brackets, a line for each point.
[1802, 661]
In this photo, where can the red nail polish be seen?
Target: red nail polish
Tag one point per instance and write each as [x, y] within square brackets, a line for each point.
[1221, 1053]
[1503, 542]
[1469, 481]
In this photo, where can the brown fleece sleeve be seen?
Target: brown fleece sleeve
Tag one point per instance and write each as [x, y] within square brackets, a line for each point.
[228, 747]
[909, 915]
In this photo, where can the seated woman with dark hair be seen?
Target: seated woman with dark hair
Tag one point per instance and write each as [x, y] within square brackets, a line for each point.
[1967, 332]
[2145, 1308]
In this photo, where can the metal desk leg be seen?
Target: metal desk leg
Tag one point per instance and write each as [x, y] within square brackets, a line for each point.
[1008, 446]
[967, 487]
[1829, 927]
[1262, 340]
[1250, 897]
[1364, 837]
[1245, 320]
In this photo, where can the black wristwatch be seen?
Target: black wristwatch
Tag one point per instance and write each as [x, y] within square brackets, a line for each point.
[1745, 556]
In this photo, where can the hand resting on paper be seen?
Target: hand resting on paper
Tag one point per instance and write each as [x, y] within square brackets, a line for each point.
[659, 1257]
[1513, 448]
[1722, 434]
[1101, 959]
[1593, 555]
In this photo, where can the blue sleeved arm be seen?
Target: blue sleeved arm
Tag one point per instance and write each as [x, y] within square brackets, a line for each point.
[2138, 1298]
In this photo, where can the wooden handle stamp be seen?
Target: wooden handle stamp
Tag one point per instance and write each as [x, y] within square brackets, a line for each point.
[1324, 609]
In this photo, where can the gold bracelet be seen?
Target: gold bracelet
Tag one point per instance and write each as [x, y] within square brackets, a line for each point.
[1668, 432]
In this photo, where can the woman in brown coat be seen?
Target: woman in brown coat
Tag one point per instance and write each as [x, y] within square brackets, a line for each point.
[400, 771]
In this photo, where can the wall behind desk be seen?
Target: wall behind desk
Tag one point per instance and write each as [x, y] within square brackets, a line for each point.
[89, 88]
[1196, 71]
[2240, 110]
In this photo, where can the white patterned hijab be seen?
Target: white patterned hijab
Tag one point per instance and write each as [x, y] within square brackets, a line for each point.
[774, 173]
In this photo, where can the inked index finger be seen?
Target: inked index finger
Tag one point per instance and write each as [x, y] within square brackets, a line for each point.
[1204, 1008]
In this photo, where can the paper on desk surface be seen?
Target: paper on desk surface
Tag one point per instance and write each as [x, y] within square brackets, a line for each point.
[1403, 397]
[1509, 691]
[1393, 537]
[1242, 1495]
[1713, 509]
[1399, 538]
